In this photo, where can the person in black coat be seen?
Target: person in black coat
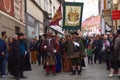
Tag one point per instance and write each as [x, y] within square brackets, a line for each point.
[40, 52]
[18, 58]
[2, 54]
[33, 50]
[10, 51]
[97, 45]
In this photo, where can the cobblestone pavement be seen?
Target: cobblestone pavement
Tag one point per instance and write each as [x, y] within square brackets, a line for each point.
[91, 72]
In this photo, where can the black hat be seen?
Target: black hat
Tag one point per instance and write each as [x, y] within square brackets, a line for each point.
[75, 33]
[20, 34]
[48, 34]
[40, 36]
[118, 31]
[3, 33]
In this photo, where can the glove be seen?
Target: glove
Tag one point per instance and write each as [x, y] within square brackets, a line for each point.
[54, 51]
[76, 44]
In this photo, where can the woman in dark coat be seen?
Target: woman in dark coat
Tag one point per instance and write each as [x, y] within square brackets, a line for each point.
[15, 59]
[18, 58]
[10, 51]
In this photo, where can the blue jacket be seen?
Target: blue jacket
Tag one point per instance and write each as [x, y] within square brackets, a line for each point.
[2, 47]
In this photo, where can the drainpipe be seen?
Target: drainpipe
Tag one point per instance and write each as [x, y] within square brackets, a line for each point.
[111, 15]
[26, 21]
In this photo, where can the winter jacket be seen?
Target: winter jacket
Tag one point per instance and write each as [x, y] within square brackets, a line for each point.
[117, 48]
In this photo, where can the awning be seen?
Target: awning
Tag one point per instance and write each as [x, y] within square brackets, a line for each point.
[57, 28]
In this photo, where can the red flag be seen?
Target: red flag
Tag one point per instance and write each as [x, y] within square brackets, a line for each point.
[57, 17]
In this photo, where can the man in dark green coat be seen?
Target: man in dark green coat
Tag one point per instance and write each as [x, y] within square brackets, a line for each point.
[78, 49]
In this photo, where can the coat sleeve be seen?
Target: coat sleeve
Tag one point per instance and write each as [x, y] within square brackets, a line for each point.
[117, 43]
[57, 47]
[3, 46]
[81, 46]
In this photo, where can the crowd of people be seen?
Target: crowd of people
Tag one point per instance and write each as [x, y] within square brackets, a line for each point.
[58, 54]
[14, 55]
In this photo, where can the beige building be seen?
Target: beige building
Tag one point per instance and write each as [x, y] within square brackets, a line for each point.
[28, 16]
[34, 18]
[12, 16]
[38, 16]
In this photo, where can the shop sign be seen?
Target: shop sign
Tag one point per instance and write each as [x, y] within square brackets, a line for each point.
[116, 14]
[106, 12]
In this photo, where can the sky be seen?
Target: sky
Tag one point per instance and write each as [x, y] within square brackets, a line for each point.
[90, 7]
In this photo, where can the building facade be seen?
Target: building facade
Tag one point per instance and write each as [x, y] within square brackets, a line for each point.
[12, 16]
[106, 7]
[38, 16]
[34, 18]
[54, 5]
[116, 6]
[31, 17]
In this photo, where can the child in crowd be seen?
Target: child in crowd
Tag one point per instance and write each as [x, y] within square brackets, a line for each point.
[89, 52]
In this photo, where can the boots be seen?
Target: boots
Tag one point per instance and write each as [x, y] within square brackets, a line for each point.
[22, 76]
[111, 73]
[118, 72]
[79, 72]
[73, 72]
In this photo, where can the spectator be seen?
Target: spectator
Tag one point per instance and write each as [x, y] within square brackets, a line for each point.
[33, 51]
[6, 48]
[2, 57]
[117, 50]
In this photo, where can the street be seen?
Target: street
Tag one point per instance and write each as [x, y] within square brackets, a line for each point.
[91, 72]
[51, 30]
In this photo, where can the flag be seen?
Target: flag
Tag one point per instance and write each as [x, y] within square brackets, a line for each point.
[57, 17]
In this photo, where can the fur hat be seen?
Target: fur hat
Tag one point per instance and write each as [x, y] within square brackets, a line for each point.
[118, 31]
[20, 34]
[75, 33]
[3, 33]
[49, 34]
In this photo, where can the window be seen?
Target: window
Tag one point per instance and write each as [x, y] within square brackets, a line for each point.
[53, 10]
[17, 30]
[50, 6]
[109, 4]
[46, 5]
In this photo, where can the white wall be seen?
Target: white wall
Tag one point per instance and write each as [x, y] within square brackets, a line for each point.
[34, 11]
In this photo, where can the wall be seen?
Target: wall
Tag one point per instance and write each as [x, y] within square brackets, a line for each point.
[11, 15]
[7, 24]
[34, 14]
[34, 11]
